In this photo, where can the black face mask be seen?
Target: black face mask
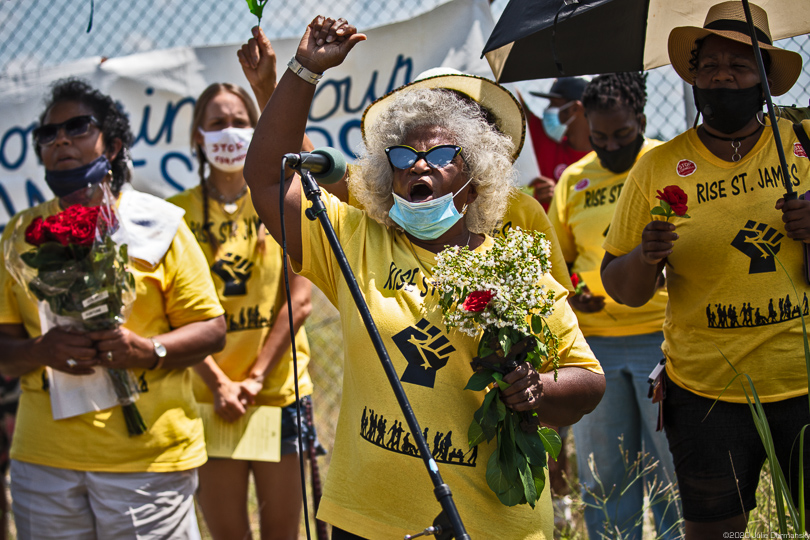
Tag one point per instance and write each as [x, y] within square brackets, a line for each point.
[728, 110]
[620, 160]
[63, 183]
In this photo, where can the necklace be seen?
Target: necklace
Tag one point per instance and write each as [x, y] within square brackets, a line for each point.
[736, 142]
[230, 206]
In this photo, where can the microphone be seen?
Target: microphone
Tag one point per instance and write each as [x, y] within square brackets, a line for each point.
[327, 165]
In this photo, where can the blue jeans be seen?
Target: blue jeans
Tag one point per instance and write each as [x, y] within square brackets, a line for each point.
[626, 412]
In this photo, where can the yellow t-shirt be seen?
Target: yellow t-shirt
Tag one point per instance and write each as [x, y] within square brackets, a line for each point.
[727, 295]
[583, 205]
[526, 212]
[175, 293]
[377, 487]
[250, 286]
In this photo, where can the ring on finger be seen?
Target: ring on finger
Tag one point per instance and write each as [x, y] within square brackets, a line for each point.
[71, 363]
[109, 356]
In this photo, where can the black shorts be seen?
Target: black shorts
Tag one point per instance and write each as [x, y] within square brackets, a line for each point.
[718, 458]
[289, 430]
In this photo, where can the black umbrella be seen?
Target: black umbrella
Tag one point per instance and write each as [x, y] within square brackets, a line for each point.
[539, 39]
[536, 39]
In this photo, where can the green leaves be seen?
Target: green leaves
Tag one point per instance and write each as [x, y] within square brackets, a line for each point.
[475, 435]
[551, 441]
[516, 469]
[480, 380]
[505, 340]
[665, 209]
[502, 385]
[532, 447]
[537, 325]
[256, 7]
[48, 257]
[487, 415]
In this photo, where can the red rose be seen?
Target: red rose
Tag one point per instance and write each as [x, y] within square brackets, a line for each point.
[675, 197]
[83, 232]
[477, 300]
[575, 280]
[37, 233]
[60, 231]
[71, 212]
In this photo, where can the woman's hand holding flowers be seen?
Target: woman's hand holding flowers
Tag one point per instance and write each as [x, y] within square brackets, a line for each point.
[122, 349]
[525, 388]
[657, 241]
[57, 346]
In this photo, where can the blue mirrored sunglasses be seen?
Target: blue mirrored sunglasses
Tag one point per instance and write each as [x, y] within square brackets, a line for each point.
[438, 157]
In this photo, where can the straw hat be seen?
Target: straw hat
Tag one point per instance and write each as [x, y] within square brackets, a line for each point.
[490, 95]
[728, 20]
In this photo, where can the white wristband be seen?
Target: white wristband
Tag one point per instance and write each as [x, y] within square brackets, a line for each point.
[309, 76]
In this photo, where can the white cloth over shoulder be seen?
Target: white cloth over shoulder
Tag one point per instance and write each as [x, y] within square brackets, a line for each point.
[150, 224]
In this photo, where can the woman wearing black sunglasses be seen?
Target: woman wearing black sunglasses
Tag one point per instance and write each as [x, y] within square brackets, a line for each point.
[83, 476]
[444, 181]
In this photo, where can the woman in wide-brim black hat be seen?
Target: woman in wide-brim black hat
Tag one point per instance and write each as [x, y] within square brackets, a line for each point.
[732, 308]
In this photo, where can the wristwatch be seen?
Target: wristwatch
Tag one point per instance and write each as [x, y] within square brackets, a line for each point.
[160, 353]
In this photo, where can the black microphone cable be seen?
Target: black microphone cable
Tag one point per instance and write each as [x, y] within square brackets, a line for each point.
[292, 344]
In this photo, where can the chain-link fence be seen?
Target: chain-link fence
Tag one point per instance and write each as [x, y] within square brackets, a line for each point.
[41, 33]
[44, 32]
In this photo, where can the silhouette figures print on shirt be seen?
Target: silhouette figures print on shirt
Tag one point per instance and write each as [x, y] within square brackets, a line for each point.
[425, 349]
[235, 271]
[374, 428]
[731, 316]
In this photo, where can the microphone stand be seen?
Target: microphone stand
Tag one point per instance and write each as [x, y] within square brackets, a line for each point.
[441, 490]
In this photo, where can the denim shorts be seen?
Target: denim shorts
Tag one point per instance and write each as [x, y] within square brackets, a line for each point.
[718, 458]
[289, 430]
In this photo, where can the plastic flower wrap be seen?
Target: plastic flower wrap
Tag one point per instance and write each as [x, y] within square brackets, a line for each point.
[497, 295]
[75, 264]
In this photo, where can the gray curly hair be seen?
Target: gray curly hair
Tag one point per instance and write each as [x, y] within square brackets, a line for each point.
[486, 152]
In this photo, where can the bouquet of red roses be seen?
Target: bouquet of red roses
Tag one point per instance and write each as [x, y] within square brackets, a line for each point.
[79, 270]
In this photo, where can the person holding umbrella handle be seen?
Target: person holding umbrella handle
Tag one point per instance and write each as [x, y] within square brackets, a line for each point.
[732, 307]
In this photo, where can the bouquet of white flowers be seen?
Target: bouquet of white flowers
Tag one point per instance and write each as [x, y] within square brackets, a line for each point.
[497, 294]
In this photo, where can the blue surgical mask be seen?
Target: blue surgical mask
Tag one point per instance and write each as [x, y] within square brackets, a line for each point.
[63, 183]
[426, 220]
[551, 122]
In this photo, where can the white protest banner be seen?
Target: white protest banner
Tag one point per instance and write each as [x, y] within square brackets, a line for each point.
[158, 90]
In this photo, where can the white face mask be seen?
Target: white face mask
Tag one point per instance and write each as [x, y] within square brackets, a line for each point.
[226, 149]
